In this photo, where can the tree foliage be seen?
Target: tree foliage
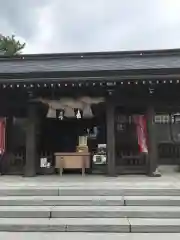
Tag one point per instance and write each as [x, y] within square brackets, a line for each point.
[9, 46]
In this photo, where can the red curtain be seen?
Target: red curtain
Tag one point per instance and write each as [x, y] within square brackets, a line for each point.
[2, 135]
[141, 129]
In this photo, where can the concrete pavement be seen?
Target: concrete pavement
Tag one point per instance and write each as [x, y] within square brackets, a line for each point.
[88, 236]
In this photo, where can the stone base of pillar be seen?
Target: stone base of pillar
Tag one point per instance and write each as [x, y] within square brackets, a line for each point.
[156, 173]
[29, 174]
[112, 175]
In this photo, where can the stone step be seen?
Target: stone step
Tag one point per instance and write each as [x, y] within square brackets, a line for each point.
[87, 236]
[89, 212]
[87, 191]
[152, 200]
[89, 200]
[118, 225]
[61, 201]
[29, 191]
[25, 211]
[64, 225]
[115, 212]
[139, 225]
[116, 191]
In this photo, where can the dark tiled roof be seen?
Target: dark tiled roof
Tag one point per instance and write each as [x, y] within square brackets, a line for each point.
[137, 60]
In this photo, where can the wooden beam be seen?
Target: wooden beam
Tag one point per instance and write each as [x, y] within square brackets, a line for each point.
[31, 143]
[110, 138]
[152, 143]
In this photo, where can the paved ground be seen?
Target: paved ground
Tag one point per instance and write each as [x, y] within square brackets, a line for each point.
[88, 236]
[170, 179]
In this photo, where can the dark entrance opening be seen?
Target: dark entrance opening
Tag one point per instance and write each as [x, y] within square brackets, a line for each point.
[62, 136]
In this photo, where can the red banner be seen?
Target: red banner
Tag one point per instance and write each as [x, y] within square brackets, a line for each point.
[141, 130]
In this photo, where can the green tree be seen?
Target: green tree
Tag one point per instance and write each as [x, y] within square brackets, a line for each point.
[9, 46]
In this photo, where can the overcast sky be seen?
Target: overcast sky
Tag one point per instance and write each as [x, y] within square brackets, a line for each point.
[92, 25]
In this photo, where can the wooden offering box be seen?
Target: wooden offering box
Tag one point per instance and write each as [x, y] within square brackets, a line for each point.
[75, 160]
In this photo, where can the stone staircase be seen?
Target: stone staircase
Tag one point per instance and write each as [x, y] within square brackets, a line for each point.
[83, 209]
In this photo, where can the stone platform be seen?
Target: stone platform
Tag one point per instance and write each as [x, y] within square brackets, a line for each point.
[125, 204]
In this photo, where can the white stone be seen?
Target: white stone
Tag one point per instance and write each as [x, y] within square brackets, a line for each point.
[155, 225]
[152, 200]
[115, 211]
[88, 236]
[60, 200]
[28, 191]
[64, 224]
[25, 211]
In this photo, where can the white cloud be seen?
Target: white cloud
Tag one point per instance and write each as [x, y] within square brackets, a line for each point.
[92, 25]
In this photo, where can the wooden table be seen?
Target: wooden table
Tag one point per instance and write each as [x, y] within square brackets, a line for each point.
[75, 160]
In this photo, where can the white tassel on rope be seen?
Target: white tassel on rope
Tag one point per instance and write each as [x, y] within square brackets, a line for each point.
[61, 115]
[78, 115]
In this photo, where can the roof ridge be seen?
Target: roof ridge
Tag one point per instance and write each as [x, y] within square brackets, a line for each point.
[82, 55]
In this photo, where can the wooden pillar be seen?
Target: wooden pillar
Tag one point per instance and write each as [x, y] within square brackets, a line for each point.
[152, 143]
[31, 143]
[110, 137]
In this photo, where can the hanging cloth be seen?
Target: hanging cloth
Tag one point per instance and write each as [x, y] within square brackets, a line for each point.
[51, 113]
[141, 130]
[2, 135]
